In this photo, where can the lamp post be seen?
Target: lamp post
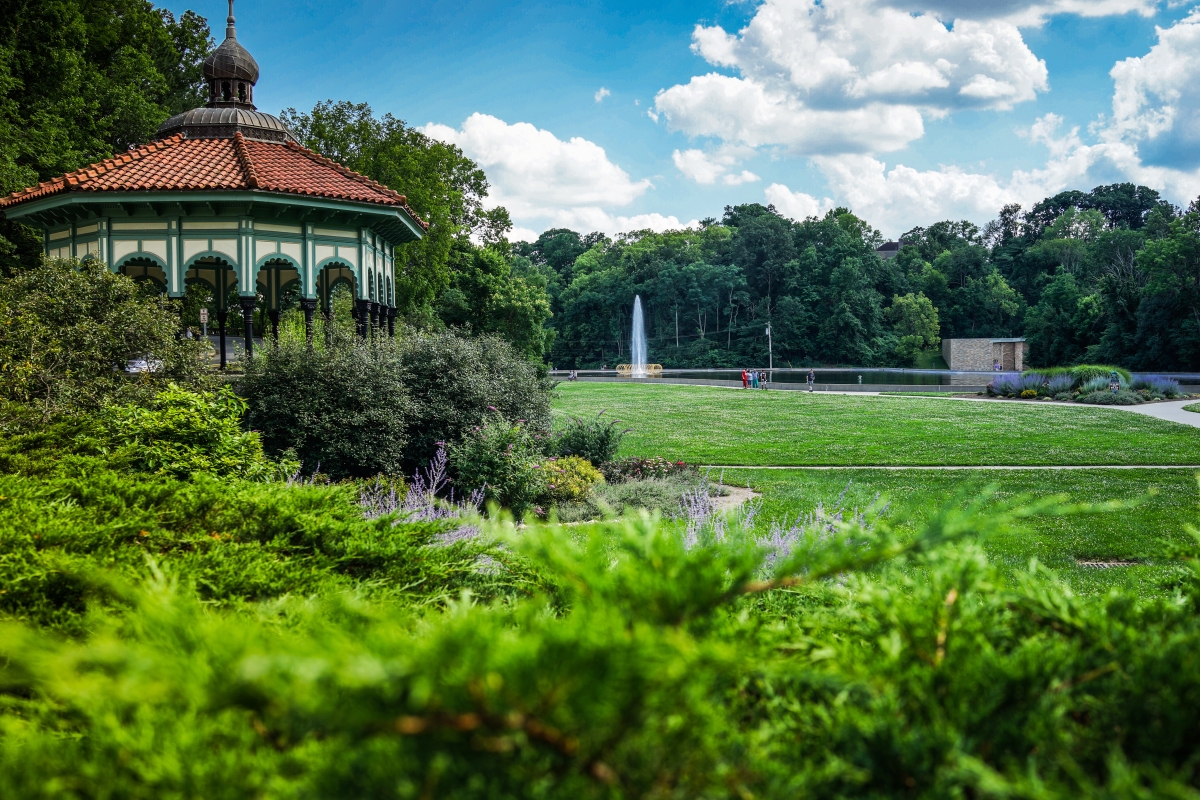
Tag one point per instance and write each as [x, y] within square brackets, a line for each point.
[770, 356]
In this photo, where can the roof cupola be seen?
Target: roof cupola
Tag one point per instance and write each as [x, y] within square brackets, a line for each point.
[231, 71]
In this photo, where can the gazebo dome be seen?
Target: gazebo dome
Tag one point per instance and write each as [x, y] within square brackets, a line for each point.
[231, 61]
[224, 122]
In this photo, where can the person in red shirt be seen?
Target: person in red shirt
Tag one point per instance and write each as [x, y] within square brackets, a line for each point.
[745, 379]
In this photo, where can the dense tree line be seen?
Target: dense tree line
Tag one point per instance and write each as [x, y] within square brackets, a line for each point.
[1111, 275]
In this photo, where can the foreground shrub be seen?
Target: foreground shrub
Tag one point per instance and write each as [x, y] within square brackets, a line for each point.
[454, 380]
[181, 433]
[341, 407]
[501, 459]
[594, 439]
[67, 543]
[852, 662]
[69, 329]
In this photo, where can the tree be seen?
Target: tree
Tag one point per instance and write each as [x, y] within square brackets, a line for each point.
[486, 297]
[443, 186]
[916, 323]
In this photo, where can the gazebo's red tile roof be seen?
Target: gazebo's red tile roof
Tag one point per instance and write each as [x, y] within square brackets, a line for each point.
[179, 164]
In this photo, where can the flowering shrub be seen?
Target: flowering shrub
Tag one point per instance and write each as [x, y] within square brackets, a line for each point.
[501, 459]
[1029, 394]
[1011, 384]
[1108, 398]
[569, 479]
[1156, 386]
[636, 469]
[1057, 384]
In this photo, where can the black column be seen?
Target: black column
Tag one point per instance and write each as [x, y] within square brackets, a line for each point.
[374, 318]
[222, 316]
[364, 316]
[391, 317]
[248, 306]
[274, 315]
[308, 305]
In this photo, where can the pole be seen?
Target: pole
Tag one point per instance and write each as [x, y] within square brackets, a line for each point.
[770, 356]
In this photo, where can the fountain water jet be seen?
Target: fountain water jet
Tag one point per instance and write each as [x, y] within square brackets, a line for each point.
[637, 340]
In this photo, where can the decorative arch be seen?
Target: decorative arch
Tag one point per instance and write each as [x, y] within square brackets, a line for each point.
[215, 271]
[144, 268]
[274, 276]
[391, 301]
[332, 273]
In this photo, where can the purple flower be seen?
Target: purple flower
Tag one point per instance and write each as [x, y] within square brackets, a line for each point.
[491, 408]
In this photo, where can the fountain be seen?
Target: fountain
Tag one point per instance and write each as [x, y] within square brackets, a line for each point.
[637, 340]
[637, 348]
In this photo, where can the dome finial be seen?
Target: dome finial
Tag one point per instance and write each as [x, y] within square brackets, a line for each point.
[230, 30]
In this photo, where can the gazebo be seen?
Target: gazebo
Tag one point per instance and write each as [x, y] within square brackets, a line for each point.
[225, 197]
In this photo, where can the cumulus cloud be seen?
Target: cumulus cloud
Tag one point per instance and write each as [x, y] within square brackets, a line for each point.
[1026, 12]
[1156, 102]
[535, 174]
[796, 205]
[1152, 138]
[707, 167]
[601, 94]
[848, 76]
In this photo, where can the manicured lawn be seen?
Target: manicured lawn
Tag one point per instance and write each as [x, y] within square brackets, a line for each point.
[710, 425]
[1057, 542]
[1193, 407]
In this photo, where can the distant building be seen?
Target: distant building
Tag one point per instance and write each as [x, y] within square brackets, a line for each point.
[984, 354]
[889, 250]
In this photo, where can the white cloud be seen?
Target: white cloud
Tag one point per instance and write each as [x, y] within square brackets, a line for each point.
[848, 76]
[1026, 12]
[518, 234]
[796, 205]
[546, 182]
[1156, 102]
[1151, 138]
[601, 94]
[707, 167]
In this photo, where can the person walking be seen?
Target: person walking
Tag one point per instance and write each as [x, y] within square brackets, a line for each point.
[812, 376]
[753, 379]
[745, 378]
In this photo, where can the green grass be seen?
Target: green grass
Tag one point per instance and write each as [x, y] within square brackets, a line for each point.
[1168, 501]
[1193, 407]
[710, 425]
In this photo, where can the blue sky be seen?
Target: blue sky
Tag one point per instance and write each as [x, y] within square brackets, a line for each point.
[908, 111]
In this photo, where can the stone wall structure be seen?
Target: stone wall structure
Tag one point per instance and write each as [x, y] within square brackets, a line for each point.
[983, 355]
